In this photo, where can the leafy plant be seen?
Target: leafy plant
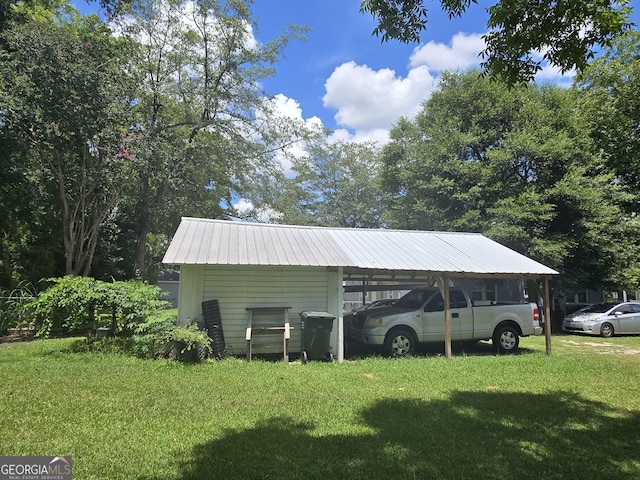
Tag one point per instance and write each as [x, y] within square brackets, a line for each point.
[152, 337]
[188, 340]
[81, 304]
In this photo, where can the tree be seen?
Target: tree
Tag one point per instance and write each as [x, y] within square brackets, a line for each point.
[334, 184]
[66, 99]
[610, 105]
[565, 33]
[519, 166]
[204, 125]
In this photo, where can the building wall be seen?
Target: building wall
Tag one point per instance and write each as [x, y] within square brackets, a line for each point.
[239, 287]
[171, 289]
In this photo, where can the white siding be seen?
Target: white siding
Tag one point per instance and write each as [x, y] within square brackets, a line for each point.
[238, 287]
[190, 293]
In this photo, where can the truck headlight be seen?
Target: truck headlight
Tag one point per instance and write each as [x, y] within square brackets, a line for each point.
[373, 322]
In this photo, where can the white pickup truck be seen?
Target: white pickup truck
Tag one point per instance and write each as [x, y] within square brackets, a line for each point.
[418, 317]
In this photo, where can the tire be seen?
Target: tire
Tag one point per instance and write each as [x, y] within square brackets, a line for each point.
[305, 358]
[606, 330]
[506, 339]
[399, 343]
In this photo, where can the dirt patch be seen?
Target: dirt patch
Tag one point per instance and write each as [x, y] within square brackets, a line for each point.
[604, 348]
[17, 335]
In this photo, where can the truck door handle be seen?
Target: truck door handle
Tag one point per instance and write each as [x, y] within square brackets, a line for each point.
[454, 314]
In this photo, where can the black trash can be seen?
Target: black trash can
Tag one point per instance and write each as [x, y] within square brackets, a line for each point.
[316, 335]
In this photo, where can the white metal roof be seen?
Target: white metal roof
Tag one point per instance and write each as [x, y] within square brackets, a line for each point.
[222, 242]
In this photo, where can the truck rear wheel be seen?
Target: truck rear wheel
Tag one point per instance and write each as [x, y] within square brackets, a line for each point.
[399, 343]
[506, 339]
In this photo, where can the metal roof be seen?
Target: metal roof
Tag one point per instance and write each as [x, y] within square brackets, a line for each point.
[408, 253]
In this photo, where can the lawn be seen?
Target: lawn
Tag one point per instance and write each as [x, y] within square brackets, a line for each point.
[574, 415]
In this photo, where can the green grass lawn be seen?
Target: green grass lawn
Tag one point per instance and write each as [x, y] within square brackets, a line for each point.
[574, 415]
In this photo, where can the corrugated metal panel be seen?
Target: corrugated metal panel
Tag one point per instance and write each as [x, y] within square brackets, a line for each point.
[218, 242]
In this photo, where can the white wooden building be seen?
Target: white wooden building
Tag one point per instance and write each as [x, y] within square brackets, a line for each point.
[245, 265]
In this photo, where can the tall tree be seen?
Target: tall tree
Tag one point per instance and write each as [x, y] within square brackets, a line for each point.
[519, 166]
[610, 103]
[333, 184]
[565, 33]
[204, 127]
[66, 97]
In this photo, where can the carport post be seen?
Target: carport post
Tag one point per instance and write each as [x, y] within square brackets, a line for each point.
[444, 281]
[547, 316]
[340, 319]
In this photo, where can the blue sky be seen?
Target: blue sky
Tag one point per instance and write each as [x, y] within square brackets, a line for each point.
[343, 74]
[350, 80]
[344, 77]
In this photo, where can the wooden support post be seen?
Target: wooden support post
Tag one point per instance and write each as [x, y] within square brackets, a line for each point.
[447, 318]
[547, 316]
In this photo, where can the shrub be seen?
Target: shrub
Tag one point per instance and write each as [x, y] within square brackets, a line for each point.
[152, 337]
[81, 304]
[158, 337]
[189, 341]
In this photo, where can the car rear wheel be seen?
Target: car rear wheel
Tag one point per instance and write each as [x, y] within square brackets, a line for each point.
[399, 343]
[506, 339]
[606, 330]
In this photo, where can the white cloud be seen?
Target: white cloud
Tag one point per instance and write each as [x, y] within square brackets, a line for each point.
[461, 53]
[366, 99]
[367, 102]
[552, 74]
[243, 205]
[377, 135]
[263, 215]
[289, 111]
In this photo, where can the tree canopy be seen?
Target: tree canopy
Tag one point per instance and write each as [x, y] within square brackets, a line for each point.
[108, 137]
[520, 34]
[519, 166]
[334, 184]
[67, 102]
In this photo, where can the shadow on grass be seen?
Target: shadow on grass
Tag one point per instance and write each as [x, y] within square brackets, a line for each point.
[468, 349]
[488, 435]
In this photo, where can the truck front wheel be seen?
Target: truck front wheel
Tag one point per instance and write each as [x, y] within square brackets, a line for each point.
[399, 343]
[506, 339]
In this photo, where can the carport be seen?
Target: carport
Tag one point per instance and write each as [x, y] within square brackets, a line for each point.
[254, 257]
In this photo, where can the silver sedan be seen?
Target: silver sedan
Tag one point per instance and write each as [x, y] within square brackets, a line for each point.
[605, 319]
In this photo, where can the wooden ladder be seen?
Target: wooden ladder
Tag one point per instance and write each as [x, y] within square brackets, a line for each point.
[256, 326]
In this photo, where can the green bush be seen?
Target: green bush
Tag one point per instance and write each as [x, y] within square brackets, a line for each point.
[188, 341]
[158, 336]
[152, 337]
[81, 304]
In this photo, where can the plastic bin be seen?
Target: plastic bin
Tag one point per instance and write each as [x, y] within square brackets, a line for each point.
[102, 333]
[316, 335]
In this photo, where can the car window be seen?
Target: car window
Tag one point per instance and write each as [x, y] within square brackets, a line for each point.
[458, 299]
[627, 308]
[623, 309]
[436, 304]
[413, 299]
[597, 308]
